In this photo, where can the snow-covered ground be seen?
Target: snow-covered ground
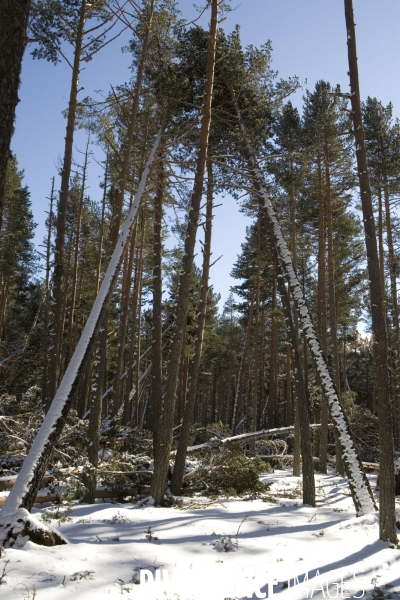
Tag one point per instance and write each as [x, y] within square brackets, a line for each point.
[277, 541]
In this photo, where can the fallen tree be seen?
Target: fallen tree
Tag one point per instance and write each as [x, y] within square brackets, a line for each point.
[316, 459]
[247, 437]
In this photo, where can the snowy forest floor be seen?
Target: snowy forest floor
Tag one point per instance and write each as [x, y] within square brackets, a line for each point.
[278, 538]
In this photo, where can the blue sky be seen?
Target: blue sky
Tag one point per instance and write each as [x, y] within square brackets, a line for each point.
[308, 39]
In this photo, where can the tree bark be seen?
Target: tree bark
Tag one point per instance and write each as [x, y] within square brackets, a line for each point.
[180, 460]
[242, 362]
[132, 367]
[332, 302]
[387, 516]
[161, 457]
[13, 24]
[256, 355]
[58, 272]
[124, 312]
[322, 319]
[47, 299]
[68, 350]
[293, 247]
[156, 370]
[273, 406]
[394, 310]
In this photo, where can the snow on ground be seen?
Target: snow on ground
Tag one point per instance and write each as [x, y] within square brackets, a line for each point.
[277, 541]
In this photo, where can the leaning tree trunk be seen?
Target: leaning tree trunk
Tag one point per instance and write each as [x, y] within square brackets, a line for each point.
[241, 366]
[273, 400]
[387, 516]
[68, 350]
[360, 489]
[256, 356]
[166, 423]
[29, 478]
[124, 314]
[126, 154]
[47, 297]
[322, 319]
[156, 369]
[58, 272]
[13, 23]
[392, 264]
[180, 460]
[295, 406]
[332, 302]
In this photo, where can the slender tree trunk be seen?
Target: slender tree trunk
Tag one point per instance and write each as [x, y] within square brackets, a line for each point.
[180, 460]
[58, 272]
[161, 457]
[273, 412]
[242, 363]
[95, 405]
[303, 412]
[13, 24]
[95, 390]
[3, 304]
[332, 303]
[132, 367]
[47, 299]
[322, 319]
[126, 159]
[293, 247]
[124, 312]
[68, 350]
[101, 237]
[256, 356]
[380, 243]
[394, 309]
[156, 370]
[138, 350]
[262, 365]
[387, 516]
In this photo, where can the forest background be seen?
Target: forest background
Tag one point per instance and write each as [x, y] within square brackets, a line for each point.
[137, 362]
[307, 41]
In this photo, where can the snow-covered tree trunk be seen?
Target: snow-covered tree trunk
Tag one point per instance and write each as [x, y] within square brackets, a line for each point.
[359, 485]
[29, 478]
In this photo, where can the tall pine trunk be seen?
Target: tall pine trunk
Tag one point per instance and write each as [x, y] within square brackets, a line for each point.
[58, 272]
[47, 298]
[68, 350]
[242, 363]
[394, 310]
[166, 423]
[180, 460]
[322, 319]
[387, 516]
[332, 302]
[156, 369]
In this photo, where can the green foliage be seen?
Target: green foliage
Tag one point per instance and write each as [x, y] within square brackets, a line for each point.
[232, 471]
[56, 21]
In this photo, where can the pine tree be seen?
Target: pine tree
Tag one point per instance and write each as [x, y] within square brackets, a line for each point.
[13, 37]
